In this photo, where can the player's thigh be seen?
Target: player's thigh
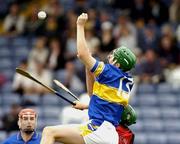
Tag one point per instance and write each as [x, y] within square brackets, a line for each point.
[69, 134]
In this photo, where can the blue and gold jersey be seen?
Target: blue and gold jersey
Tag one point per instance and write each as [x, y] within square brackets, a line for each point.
[110, 93]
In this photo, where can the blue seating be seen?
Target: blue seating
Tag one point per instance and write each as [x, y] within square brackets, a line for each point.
[172, 125]
[50, 99]
[41, 124]
[140, 138]
[1, 113]
[150, 112]
[156, 138]
[164, 88]
[8, 73]
[167, 99]
[173, 138]
[5, 63]
[10, 98]
[5, 52]
[148, 99]
[52, 121]
[61, 75]
[153, 125]
[3, 41]
[20, 41]
[51, 112]
[21, 52]
[170, 112]
[2, 136]
[146, 88]
[33, 98]
[7, 87]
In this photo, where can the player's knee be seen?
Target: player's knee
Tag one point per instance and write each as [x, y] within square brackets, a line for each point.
[48, 131]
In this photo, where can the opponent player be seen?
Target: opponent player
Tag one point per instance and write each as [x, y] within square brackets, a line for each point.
[27, 124]
[110, 95]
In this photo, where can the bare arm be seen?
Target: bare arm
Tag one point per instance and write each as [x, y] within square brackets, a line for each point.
[89, 82]
[82, 50]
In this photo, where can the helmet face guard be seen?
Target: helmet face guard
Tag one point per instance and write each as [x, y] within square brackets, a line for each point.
[129, 116]
[125, 57]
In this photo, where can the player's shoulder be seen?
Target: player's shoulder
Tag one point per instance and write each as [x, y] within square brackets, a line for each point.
[10, 139]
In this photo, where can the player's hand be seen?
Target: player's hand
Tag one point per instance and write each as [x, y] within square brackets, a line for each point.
[81, 20]
[80, 105]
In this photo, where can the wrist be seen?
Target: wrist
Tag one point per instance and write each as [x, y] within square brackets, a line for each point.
[85, 106]
[80, 26]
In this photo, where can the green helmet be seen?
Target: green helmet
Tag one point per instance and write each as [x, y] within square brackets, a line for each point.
[129, 116]
[125, 57]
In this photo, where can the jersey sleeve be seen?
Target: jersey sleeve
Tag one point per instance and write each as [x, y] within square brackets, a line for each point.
[98, 68]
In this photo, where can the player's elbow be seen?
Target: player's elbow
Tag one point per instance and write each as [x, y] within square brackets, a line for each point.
[83, 56]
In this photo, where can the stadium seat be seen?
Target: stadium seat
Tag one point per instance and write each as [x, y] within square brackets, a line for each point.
[164, 88]
[8, 73]
[3, 41]
[153, 125]
[10, 98]
[172, 125]
[170, 112]
[148, 99]
[2, 136]
[19, 41]
[52, 112]
[1, 111]
[5, 63]
[5, 52]
[140, 138]
[41, 124]
[173, 138]
[21, 52]
[12, 133]
[150, 112]
[7, 88]
[146, 88]
[167, 99]
[50, 99]
[60, 75]
[52, 121]
[35, 99]
[156, 138]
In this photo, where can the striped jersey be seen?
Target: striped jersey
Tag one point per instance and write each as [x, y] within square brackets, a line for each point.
[110, 93]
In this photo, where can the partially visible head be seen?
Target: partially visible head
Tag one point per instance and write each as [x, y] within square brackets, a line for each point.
[27, 120]
[14, 9]
[123, 58]
[129, 116]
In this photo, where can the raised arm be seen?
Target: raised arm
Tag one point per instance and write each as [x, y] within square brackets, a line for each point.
[83, 52]
[89, 84]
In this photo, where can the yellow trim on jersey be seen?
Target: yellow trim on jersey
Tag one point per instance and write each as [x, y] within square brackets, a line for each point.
[85, 131]
[99, 69]
[110, 94]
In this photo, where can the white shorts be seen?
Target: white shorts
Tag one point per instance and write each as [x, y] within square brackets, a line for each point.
[104, 134]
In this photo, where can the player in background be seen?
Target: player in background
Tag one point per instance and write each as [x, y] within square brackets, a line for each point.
[110, 95]
[27, 124]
